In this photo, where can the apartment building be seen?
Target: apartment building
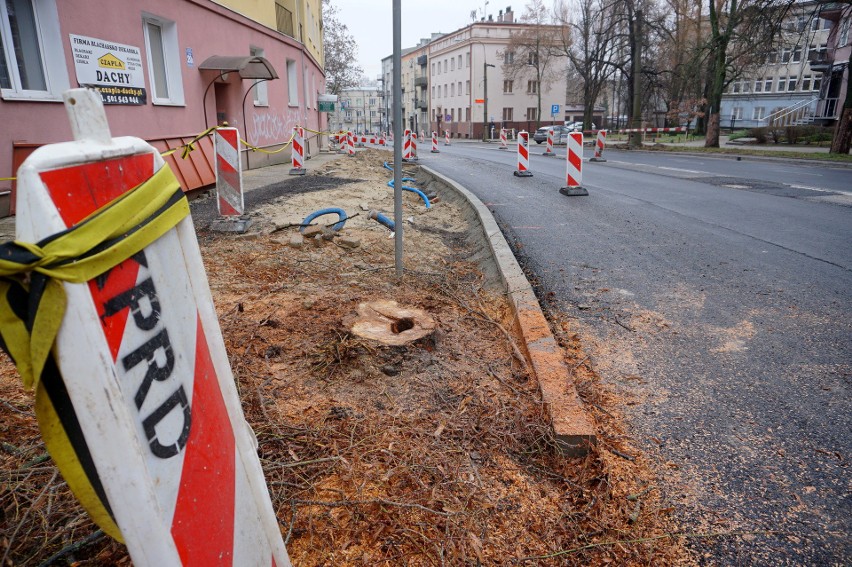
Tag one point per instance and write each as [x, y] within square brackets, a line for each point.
[359, 110]
[804, 81]
[163, 72]
[455, 82]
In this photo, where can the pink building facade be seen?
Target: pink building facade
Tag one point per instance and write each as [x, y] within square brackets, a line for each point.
[147, 58]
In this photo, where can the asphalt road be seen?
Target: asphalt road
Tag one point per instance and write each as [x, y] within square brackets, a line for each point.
[715, 298]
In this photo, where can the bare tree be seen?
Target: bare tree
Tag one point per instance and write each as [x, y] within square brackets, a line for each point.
[341, 52]
[587, 39]
[530, 52]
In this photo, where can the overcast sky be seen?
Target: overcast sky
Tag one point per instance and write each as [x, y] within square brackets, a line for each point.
[371, 23]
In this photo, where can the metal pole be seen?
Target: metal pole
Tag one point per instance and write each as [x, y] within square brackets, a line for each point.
[397, 135]
[485, 95]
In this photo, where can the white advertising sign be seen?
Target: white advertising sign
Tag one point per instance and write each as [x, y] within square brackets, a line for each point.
[113, 69]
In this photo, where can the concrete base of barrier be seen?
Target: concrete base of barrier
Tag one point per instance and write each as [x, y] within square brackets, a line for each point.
[230, 224]
[410, 160]
[298, 171]
[597, 159]
[523, 174]
[435, 151]
[574, 191]
[548, 154]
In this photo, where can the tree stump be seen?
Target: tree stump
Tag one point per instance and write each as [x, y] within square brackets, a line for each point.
[389, 323]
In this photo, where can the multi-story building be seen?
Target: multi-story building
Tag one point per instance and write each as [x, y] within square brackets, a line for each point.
[803, 82]
[455, 82]
[167, 70]
[358, 110]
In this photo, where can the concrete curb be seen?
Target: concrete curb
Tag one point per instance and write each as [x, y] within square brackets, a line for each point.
[571, 425]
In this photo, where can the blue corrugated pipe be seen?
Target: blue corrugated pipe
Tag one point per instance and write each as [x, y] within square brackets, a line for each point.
[404, 178]
[413, 190]
[377, 216]
[341, 214]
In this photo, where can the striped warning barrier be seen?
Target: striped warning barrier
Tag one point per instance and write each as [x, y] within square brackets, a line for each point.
[229, 172]
[413, 146]
[435, 149]
[350, 144]
[406, 145]
[136, 398]
[599, 146]
[549, 151]
[298, 151]
[523, 155]
[653, 130]
[503, 144]
[446, 137]
[574, 166]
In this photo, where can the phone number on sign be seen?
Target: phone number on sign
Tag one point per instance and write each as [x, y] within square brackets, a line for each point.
[121, 99]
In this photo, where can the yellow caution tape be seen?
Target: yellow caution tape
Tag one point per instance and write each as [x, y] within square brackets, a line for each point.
[32, 305]
[101, 241]
[7, 178]
[261, 150]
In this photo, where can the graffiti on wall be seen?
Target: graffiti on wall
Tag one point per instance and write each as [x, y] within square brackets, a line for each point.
[269, 128]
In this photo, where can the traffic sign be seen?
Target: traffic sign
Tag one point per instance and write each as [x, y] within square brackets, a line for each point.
[554, 109]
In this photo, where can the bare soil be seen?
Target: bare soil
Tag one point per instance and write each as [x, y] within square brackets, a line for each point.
[433, 453]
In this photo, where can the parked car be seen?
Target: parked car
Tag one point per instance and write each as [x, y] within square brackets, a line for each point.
[578, 126]
[540, 135]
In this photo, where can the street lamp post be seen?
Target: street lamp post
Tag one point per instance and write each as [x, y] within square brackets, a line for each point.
[485, 67]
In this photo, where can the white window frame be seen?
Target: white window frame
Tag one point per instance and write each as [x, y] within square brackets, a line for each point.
[758, 113]
[171, 60]
[52, 55]
[261, 91]
[292, 84]
[737, 113]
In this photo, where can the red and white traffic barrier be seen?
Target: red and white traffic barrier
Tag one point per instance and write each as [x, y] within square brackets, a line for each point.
[406, 145]
[523, 155]
[350, 144]
[654, 130]
[549, 151]
[229, 173]
[298, 151]
[503, 144]
[599, 146]
[446, 137]
[141, 371]
[414, 146]
[574, 166]
[435, 149]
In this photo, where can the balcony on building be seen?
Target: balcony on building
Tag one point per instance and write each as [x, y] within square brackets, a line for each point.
[422, 60]
[420, 82]
[820, 61]
[422, 104]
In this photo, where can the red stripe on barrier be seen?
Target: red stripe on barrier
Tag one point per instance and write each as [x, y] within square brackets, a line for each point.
[576, 160]
[203, 523]
[77, 192]
[573, 182]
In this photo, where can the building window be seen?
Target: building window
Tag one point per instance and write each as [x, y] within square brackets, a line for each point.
[785, 55]
[772, 58]
[453, 64]
[445, 65]
[758, 113]
[161, 44]
[284, 20]
[460, 60]
[532, 87]
[508, 57]
[459, 89]
[844, 32]
[791, 83]
[32, 61]
[261, 96]
[467, 87]
[767, 85]
[433, 69]
[738, 113]
[533, 59]
[433, 91]
[452, 115]
[507, 86]
[806, 83]
[797, 54]
[439, 67]
[735, 87]
[452, 89]
[445, 88]
[532, 113]
[292, 84]
[758, 85]
[817, 83]
[507, 115]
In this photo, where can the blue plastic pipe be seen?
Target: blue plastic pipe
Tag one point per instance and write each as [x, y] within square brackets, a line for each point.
[341, 214]
[382, 219]
[413, 190]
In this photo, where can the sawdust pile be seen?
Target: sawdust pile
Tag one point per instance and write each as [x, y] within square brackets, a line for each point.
[432, 453]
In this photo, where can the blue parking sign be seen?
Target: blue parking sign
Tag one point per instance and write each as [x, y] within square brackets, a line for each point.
[554, 109]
